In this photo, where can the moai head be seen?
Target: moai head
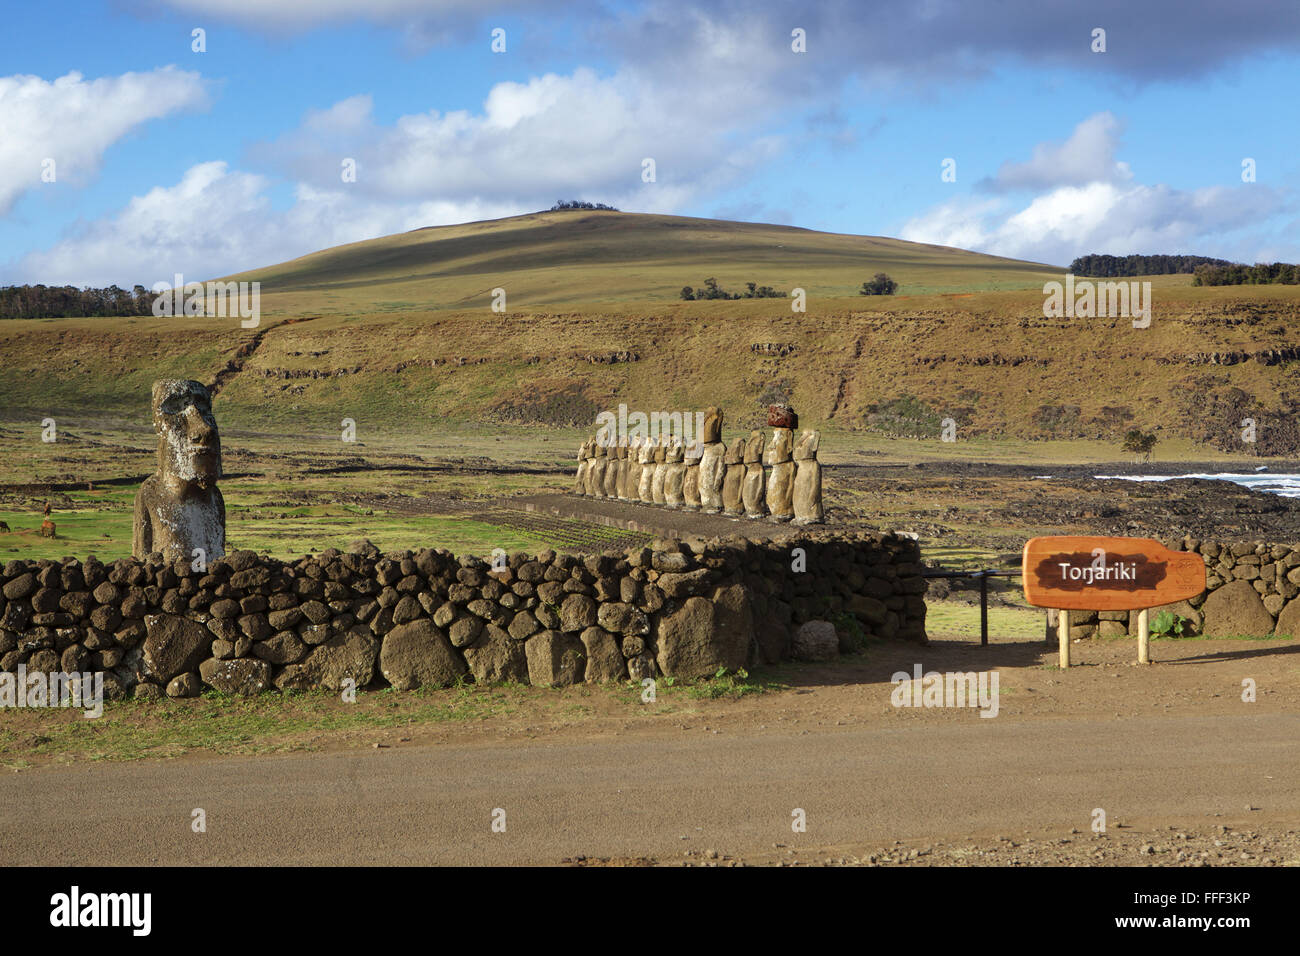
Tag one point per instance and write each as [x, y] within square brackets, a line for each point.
[779, 446]
[661, 450]
[676, 450]
[736, 453]
[189, 448]
[622, 447]
[646, 451]
[693, 450]
[754, 447]
[600, 451]
[712, 426]
[807, 445]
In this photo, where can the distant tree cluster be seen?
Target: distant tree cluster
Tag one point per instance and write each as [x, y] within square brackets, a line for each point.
[565, 205]
[1139, 443]
[711, 290]
[60, 302]
[1112, 266]
[880, 285]
[1234, 273]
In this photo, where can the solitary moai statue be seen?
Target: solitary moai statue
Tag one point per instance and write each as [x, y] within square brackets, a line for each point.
[807, 480]
[733, 478]
[691, 480]
[779, 457]
[179, 509]
[675, 463]
[660, 472]
[712, 468]
[754, 491]
[646, 459]
[580, 483]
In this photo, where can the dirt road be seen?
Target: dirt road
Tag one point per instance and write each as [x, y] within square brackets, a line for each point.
[645, 796]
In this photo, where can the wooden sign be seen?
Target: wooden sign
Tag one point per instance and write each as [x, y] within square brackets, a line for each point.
[1108, 574]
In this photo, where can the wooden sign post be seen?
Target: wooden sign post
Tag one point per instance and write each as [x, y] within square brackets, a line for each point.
[1107, 574]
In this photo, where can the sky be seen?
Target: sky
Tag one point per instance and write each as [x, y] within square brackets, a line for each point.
[144, 138]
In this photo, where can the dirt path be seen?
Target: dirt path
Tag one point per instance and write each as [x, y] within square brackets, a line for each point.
[652, 796]
[1186, 772]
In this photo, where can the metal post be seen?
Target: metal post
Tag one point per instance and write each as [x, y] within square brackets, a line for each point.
[984, 609]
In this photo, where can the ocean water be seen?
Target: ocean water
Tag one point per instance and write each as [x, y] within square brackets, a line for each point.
[1288, 486]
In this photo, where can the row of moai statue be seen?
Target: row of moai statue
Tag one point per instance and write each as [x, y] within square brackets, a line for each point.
[709, 477]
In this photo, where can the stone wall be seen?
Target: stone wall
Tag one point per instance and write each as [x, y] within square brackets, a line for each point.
[252, 623]
[1252, 588]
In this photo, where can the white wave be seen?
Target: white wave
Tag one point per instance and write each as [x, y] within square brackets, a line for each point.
[1288, 486]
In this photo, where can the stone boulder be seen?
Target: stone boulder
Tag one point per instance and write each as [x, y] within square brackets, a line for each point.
[173, 646]
[418, 654]
[242, 677]
[1235, 610]
[816, 641]
[497, 658]
[701, 636]
[1288, 621]
[604, 659]
[349, 655]
[555, 659]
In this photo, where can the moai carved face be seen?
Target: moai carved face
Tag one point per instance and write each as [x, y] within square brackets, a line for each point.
[712, 425]
[807, 445]
[188, 445]
[754, 447]
[779, 446]
[736, 453]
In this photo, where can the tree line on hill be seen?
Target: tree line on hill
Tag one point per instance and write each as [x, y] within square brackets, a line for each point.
[1205, 270]
[64, 302]
[563, 205]
[1261, 273]
[1101, 266]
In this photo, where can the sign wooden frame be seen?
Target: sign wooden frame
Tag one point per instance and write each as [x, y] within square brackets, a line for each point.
[1107, 574]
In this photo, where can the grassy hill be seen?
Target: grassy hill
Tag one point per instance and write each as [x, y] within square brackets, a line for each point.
[398, 335]
[566, 259]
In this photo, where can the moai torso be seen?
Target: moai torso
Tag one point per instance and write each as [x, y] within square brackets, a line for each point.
[612, 472]
[733, 478]
[599, 464]
[780, 478]
[179, 510]
[675, 463]
[712, 469]
[753, 490]
[580, 481]
[646, 458]
[808, 480]
[691, 480]
[660, 472]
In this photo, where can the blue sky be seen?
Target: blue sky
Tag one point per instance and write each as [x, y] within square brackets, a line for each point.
[168, 160]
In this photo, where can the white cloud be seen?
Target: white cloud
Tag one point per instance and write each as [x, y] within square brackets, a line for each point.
[74, 121]
[552, 137]
[1088, 203]
[217, 221]
[1087, 156]
[1103, 218]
